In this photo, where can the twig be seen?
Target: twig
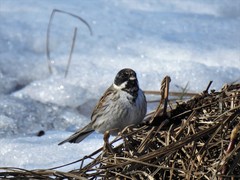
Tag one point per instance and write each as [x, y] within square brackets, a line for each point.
[71, 52]
[49, 28]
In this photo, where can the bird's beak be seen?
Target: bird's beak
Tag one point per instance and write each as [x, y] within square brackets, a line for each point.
[132, 78]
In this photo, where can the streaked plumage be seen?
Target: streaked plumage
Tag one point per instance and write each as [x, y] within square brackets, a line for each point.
[122, 104]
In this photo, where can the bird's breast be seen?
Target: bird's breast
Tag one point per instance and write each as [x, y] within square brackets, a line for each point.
[120, 112]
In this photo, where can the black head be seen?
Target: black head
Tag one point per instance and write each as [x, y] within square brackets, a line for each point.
[126, 79]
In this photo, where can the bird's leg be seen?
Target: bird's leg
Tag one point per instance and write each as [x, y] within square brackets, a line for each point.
[107, 147]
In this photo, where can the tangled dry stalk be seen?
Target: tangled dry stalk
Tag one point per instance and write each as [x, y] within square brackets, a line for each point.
[196, 139]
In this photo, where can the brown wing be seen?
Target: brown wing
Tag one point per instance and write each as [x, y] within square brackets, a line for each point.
[102, 103]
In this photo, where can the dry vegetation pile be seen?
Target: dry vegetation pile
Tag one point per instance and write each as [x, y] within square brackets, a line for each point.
[195, 139]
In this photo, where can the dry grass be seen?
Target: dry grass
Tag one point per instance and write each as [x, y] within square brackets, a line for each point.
[196, 139]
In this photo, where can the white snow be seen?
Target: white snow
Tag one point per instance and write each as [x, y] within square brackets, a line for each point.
[191, 41]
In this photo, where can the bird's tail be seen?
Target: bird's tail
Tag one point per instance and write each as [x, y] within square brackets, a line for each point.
[79, 135]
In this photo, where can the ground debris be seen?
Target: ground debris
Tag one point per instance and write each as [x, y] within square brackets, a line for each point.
[195, 139]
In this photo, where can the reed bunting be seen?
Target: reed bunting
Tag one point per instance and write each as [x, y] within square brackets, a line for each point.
[122, 104]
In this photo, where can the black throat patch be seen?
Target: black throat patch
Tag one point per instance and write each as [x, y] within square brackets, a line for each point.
[132, 88]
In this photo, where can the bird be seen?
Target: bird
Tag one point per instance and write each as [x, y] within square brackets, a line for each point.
[122, 104]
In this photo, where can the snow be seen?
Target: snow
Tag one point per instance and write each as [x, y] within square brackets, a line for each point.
[191, 41]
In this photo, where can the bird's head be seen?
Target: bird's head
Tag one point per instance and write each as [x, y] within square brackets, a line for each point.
[126, 79]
